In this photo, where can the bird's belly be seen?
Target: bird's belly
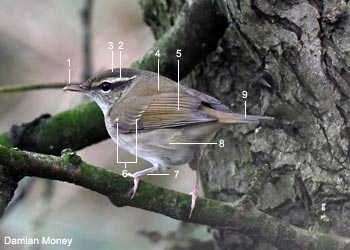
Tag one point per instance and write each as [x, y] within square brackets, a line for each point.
[155, 146]
[156, 150]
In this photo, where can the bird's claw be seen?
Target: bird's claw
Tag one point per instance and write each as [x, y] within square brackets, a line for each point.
[136, 185]
[194, 195]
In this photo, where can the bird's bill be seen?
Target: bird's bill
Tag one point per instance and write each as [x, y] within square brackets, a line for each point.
[76, 88]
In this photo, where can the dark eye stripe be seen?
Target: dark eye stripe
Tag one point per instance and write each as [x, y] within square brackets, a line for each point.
[117, 84]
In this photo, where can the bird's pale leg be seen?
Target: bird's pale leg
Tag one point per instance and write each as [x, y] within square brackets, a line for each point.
[195, 192]
[137, 176]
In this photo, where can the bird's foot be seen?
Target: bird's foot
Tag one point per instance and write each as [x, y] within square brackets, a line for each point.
[194, 195]
[137, 177]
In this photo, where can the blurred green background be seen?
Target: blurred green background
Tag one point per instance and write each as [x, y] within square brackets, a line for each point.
[36, 39]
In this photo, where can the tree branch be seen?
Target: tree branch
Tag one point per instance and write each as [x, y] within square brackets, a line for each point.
[75, 128]
[196, 33]
[236, 216]
[30, 87]
[86, 19]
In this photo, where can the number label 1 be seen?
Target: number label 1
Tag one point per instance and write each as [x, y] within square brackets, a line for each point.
[68, 60]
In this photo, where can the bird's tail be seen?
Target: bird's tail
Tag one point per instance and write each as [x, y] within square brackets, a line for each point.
[228, 117]
[224, 117]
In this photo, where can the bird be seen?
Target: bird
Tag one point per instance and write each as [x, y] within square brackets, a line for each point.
[170, 121]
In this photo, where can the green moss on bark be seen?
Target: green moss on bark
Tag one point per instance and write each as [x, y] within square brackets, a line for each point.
[75, 129]
[5, 139]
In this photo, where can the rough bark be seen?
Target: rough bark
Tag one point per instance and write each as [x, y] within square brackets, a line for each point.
[292, 57]
[195, 32]
[303, 56]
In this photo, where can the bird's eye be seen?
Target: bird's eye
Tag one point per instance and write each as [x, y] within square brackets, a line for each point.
[106, 86]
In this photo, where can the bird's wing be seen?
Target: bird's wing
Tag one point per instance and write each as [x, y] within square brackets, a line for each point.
[161, 110]
[209, 101]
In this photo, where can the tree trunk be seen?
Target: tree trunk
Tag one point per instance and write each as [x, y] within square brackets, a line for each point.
[292, 58]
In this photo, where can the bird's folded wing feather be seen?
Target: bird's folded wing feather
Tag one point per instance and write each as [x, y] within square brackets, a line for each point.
[161, 110]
